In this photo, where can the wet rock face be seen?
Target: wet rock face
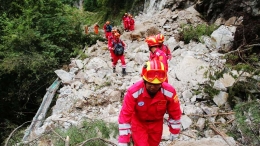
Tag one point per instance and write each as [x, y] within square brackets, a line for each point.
[247, 34]
[214, 9]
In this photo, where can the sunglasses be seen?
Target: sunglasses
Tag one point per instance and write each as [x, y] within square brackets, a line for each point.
[152, 74]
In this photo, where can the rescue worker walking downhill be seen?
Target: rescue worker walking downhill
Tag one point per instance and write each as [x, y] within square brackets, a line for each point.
[107, 29]
[144, 106]
[156, 53]
[131, 23]
[125, 21]
[116, 44]
[109, 43]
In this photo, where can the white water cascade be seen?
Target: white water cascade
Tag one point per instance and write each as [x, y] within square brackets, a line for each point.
[151, 6]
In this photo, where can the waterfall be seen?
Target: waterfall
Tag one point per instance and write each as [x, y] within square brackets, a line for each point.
[151, 6]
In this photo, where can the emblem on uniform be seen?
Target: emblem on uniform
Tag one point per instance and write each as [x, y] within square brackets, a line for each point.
[175, 98]
[141, 103]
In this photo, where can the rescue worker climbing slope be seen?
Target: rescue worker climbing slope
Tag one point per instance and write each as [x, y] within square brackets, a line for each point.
[144, 106]
[163, 47]
[156, 53]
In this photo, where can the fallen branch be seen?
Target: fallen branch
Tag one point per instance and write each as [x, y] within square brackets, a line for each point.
[188, 135]
[223, 135]
[218, 114]
[58, 135]
[230, 121]
[6, 143]
[247, 46]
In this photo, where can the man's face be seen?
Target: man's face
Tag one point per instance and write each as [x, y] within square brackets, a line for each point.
[152, 88]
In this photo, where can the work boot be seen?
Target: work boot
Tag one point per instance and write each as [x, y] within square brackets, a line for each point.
[114, 69]
[123, 71]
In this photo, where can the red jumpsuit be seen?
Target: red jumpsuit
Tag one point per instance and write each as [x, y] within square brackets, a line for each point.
[110, 39]
[145, 114]
[115, 57]
[132, 24]
[161, 56]
[124, 21]
[107, 30]
[167, 51]
[127, 23]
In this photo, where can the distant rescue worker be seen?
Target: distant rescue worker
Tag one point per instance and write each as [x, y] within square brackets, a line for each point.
[110, 41]
[163, 47]
[144, 106]
[156, 53]
[107, 29]
[118, 47]
[131, 23]
[125, 21]
[96, 27]
[86, 29]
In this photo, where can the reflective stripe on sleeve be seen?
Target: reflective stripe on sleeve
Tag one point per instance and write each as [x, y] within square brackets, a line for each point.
[124, 126]
[167, 93]
[171, 121]
[124, 132]
[137, 93]
[176, 126]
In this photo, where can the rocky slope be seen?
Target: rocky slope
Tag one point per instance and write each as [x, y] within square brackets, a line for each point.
[92, 91]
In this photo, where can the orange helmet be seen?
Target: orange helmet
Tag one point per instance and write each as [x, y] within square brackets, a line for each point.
[107, 22]
[151, 41]
[117, 35]
[160, 38]
[154, 72]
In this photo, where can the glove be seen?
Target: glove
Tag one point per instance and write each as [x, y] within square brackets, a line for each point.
[173, 137]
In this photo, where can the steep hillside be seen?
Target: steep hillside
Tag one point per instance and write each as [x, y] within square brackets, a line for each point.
[91, 91]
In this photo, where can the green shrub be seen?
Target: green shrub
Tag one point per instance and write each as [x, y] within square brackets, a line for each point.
[191, 32]
[248, 119]
[88, 130]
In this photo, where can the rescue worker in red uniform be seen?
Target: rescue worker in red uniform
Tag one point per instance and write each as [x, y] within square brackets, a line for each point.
[107, 29]
[132, 23]
[115, 58]
[163, 47]
[144, 106]
[156, 53]
[125, 23]
[109, 43]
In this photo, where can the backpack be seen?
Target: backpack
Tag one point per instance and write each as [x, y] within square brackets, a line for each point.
[108, 29]
[119, 49]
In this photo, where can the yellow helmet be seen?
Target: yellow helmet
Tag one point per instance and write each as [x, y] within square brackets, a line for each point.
[151, 41]
[154, 72]
[160, 38]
